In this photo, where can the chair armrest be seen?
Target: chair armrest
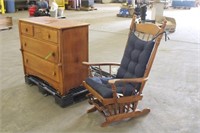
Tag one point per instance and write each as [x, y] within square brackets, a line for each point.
[100, 63]
[135, 80]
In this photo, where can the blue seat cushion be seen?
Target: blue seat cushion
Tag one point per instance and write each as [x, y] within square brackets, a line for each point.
[102, 86]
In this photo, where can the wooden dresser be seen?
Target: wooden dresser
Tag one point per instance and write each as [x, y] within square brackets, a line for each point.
[53, 50]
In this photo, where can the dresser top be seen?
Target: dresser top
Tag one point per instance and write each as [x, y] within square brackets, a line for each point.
[54, 22]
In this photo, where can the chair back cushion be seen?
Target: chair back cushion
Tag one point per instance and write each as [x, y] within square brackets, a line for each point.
[135, 57]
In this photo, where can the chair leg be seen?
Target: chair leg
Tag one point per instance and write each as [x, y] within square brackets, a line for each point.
[119, 117]
[105, 124]
[144, 111]
[92, 109]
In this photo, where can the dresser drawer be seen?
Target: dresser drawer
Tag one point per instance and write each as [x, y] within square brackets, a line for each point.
[41, 66]
[26, 29]
[46, 34]
[44, 50]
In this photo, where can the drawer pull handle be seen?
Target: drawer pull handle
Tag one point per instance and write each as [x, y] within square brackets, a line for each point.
[54, 73]
[49, 54]
[49, 36]
[26, 30]
[25, 44]
[53, 54]
[26, 60]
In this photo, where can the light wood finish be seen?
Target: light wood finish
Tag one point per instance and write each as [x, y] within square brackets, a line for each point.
[53, 50]
[121, 107]
[46, 34]
[37, 47]
[26, 29]
[5, 22]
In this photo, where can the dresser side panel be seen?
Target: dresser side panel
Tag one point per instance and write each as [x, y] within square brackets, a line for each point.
[75, 51]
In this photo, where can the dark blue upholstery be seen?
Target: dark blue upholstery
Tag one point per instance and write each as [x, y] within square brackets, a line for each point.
[100, 86]
[104, 89]
[135, 58]
[133, 65]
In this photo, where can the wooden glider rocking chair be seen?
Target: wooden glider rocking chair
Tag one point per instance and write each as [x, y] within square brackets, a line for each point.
[117, 97]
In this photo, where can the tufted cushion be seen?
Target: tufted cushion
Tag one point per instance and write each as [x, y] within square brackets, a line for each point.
[135, 58]
[100, 86]
[104, 89]
[133, 65]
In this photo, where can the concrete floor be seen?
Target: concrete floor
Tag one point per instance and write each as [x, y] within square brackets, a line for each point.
[172, 92]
